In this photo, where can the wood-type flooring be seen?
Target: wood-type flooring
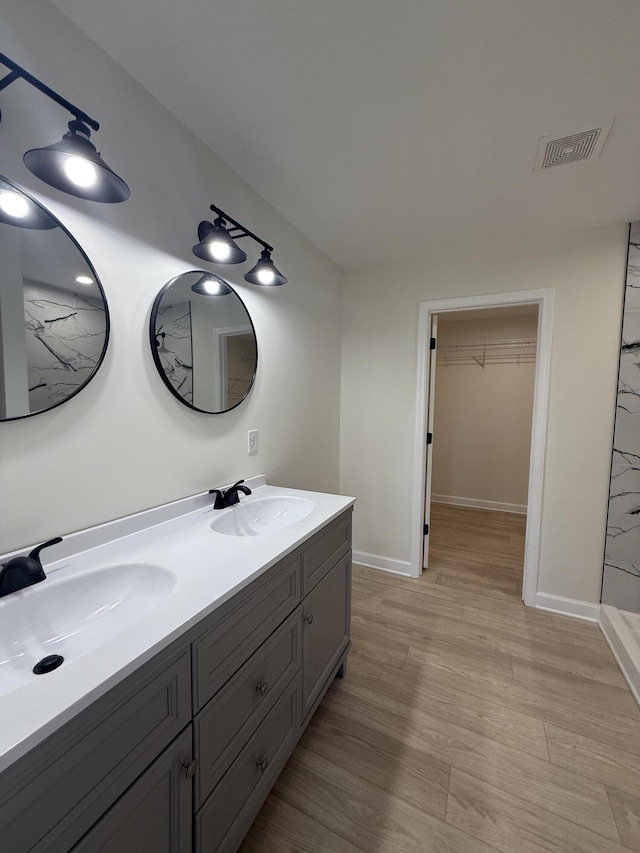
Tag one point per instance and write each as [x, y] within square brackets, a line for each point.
[466, 723]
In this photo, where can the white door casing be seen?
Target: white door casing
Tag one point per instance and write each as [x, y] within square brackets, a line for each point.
[431, 355]
[543, 298]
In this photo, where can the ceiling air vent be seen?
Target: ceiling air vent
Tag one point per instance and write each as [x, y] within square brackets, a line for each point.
[556, 150]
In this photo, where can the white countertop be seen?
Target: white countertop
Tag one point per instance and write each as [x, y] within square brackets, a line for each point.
[208, 568]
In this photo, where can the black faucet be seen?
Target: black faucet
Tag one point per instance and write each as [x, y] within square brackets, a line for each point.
[230, 497]
[21, 572]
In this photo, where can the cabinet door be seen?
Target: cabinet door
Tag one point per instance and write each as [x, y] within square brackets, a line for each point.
[73, 777]
[155, 814]
[325, 633]
[324, 550]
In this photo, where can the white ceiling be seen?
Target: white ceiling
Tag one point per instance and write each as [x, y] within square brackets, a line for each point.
[387, 128]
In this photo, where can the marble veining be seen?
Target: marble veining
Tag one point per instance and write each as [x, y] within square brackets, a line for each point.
[621, 581]
[173, 329]
[65, 334]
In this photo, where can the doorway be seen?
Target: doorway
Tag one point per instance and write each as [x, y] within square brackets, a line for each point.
[480, 413]
[236, 357]
[542, 301]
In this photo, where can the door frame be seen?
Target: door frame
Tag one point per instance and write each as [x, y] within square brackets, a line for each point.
[543, 298]
[222, 334]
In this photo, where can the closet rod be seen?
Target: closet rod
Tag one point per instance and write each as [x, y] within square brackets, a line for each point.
[512, 351]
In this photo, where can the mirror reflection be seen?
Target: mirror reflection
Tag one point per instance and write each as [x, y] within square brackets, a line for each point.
[203, 342]
[54, 323]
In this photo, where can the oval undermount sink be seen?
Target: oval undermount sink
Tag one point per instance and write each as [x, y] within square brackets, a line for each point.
[73, 615]
[264, 515]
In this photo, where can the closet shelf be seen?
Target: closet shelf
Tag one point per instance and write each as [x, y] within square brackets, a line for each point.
[514, 351]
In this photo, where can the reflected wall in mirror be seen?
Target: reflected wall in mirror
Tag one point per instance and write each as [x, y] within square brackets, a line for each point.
[203, 342]
[54, 321]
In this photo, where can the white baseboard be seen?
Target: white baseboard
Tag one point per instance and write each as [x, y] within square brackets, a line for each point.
[623, 645]
[385, 564]
[478, 503]
[568, 606]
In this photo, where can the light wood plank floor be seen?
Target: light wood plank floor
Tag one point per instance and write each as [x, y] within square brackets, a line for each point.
[467, 723]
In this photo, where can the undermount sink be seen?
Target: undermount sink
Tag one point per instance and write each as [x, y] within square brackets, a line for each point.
[264, 515]
[73, 615]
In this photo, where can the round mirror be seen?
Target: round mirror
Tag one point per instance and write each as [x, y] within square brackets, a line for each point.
[203, 342]
[54, 322]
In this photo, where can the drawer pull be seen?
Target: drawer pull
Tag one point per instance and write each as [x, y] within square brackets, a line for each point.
[262, 764]
[189, 766]
[309, 619]
[262, 687]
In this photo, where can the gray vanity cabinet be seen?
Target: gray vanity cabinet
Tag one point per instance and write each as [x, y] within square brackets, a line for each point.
[179, 757]
[245, 733]
[59, 790]
[155, 814]
[327, 622]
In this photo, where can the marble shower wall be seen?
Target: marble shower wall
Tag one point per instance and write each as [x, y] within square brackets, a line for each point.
[621, 580]
[65, 338]
[176, 351]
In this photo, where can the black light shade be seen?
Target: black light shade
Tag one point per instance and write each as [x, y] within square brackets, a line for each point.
[74, 166]
[217, 245]
[265, 272]
[211, 285]
[18, 209]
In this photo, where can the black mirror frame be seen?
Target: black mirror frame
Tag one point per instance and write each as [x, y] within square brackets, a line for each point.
[107, 320]
[153, 335]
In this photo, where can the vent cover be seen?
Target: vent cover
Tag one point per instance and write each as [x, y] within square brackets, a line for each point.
[556, 150]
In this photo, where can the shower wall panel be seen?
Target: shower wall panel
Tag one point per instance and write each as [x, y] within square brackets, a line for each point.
[621, 578]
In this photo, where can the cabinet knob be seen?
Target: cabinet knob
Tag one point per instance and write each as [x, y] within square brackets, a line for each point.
[262, 764]
[262, 687]
[189, 766]
[309, 619]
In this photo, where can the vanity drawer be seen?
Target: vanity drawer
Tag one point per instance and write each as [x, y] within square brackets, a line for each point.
[226, 816]
[228, 721]
[240, 626]
[63, 786]
[324, 551]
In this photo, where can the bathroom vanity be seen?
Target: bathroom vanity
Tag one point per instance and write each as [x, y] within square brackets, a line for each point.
[176, 749]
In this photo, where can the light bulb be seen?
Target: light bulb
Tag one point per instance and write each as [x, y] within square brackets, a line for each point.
[80, 172]
[14, 204]
[212, 287]
[266, 276]
[219, 250]
[84, 279]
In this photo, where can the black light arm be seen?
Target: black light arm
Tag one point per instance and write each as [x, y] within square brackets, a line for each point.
[17, 72]
[240, 230]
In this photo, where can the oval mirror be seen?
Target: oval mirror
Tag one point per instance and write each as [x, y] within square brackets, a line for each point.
[54, 321]
[203, 342]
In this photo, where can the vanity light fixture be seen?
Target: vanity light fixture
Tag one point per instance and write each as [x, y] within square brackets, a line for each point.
[217, 244]
[84, 279]
[72, 165]
[16, 208]
[211, 285]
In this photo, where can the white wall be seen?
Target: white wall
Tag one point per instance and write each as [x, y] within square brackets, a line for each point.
[482, 416]
[125, 443]
[379, 388]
